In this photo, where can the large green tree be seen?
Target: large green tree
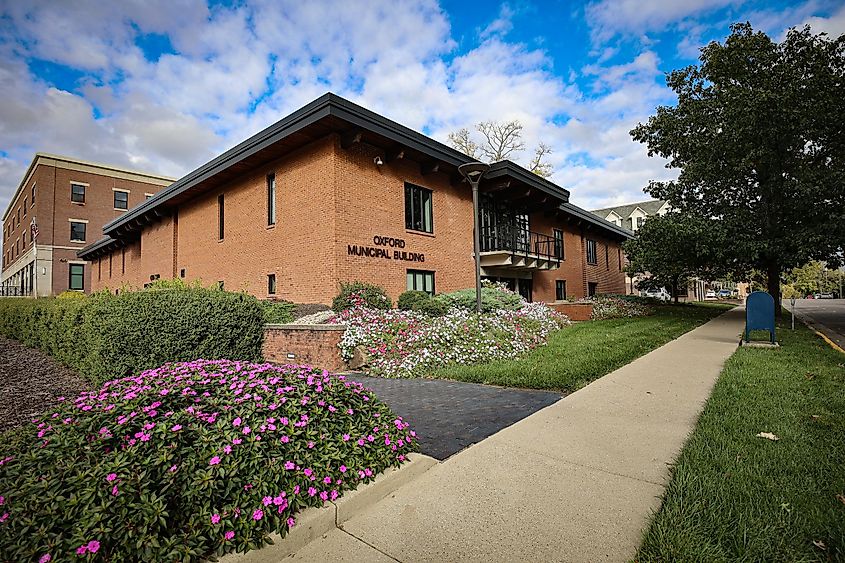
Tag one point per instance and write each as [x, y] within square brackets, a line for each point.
[758, 135]
[671, 249]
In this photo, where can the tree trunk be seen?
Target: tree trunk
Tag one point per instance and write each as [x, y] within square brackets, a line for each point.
[773, 283]
[675, 290]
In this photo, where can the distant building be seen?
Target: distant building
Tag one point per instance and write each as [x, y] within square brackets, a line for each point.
[632, 215]
[66, 201]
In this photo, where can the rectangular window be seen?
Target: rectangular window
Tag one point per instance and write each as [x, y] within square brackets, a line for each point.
[419, 215]
[220, 217]
[77, 193]
[24, 207]
[121, 200]
[123, 260]
[558, 243]
[271, 284]
[19, 216]
[640, 221]
[77, 231]
[110, 260]
[77, 277]
[271, 199]
[421, 280]
[619, 257]
[606, 257]
[592, 252]
[33, 195]
[560, 290]
[592, 288]
[182, 273]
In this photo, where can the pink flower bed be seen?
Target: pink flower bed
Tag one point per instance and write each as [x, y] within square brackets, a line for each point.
[189, 460]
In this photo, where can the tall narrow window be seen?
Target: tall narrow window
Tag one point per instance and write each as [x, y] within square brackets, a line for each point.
[619, 257]
[77, 193]
[419, 215]
[77, 277]
[560, 290]
[121, 199]
[33, 195]
[606, 257]
[592, 288]
[592, 252]
[271, 199]
[24, 207]
[271, 284]
[123, 260]
[420, 280]
[558, 243]
[220, 217]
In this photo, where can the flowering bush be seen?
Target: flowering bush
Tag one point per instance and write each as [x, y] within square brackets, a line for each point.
[373, 295]
[614, 307]
[411, 343]
[188, 460]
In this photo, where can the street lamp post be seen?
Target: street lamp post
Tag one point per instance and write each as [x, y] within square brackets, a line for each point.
[473, 171]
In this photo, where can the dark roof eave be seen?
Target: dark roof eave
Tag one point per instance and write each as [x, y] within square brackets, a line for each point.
[96, 247]
[513, 170]
[596, 220]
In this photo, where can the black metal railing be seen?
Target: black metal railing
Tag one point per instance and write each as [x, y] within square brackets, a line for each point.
[14, 291]
[517, 240]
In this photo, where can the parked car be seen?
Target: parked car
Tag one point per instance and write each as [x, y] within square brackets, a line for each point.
[725, 293]
[659, 294]
[710, 295]
[824, 296]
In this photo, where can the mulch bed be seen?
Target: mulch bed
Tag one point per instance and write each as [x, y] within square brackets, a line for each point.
[30, 382]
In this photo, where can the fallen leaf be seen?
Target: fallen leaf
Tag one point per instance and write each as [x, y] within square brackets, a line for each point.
[841, 498]
[819, 544]
[768, 436]
[815, 416]
[809, 375]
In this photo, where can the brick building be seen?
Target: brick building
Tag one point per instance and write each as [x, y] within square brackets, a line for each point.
[69, 200]
[335, 192]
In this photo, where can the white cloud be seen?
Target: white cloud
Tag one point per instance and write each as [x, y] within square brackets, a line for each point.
[238, 70]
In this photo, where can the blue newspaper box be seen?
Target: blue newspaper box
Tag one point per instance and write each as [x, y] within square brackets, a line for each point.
[760, 314]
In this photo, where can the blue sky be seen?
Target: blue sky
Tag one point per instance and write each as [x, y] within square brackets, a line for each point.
[164, 85]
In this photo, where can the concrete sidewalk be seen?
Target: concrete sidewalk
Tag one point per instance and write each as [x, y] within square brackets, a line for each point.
[576, 481]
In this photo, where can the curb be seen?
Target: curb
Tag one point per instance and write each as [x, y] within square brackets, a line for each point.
[313, 523]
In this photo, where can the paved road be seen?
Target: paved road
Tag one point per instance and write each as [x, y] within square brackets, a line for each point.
[828, 316]
[448, 416]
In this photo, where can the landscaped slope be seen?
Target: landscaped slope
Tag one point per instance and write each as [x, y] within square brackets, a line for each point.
[737, 496]
[188, 460]
[586, 351]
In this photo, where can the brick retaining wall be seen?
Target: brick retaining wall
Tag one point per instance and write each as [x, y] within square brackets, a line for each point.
[304, 344]
[575, 311]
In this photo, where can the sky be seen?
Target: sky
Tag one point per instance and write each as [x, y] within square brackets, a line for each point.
[165, 85]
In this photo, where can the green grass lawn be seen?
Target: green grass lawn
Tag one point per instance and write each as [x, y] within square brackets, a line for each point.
[736, 497]
[577, 355]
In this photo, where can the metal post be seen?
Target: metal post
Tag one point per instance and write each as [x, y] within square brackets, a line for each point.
[476, 245]
[792, 302]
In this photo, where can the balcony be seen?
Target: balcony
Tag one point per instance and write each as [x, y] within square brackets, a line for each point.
[15, 291]
[510, 247]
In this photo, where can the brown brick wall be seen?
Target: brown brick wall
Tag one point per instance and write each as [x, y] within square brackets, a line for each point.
[308, 346]
[575, 311]
[327, 199]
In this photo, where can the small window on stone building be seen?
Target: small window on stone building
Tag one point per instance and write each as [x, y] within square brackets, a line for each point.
[271, 284]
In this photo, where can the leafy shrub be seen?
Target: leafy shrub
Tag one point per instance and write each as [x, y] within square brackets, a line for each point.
[616, 307]
[173, 283]
[277, 311]
[188, 461]
[357, 293]
[433, 307]
[106, 336]
[411, 344]
[71, 295]
[493, 297]
[409, 300]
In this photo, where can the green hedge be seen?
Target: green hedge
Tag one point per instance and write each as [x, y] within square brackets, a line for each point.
[107, 336]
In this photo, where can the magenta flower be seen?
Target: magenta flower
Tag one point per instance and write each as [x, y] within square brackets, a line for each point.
[2, 500]
[46, 558]
[227, 449]
[327, 480]
[267, 501]
[237, 421]
[346, 437]
[343, 469]
[229, 535]
[289, 465]
[176, 427]
[214, 461]
[284, 439]
[111, 477]
[312, 491]
[114, 490]
[291, 522]
[93, 546]
[258, 514]
[279, 500]
[324, 495]
[173, 468]
[81, 550]
[215, 518]
[247, 430]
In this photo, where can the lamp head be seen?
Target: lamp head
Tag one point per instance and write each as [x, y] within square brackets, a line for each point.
[473, 171]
